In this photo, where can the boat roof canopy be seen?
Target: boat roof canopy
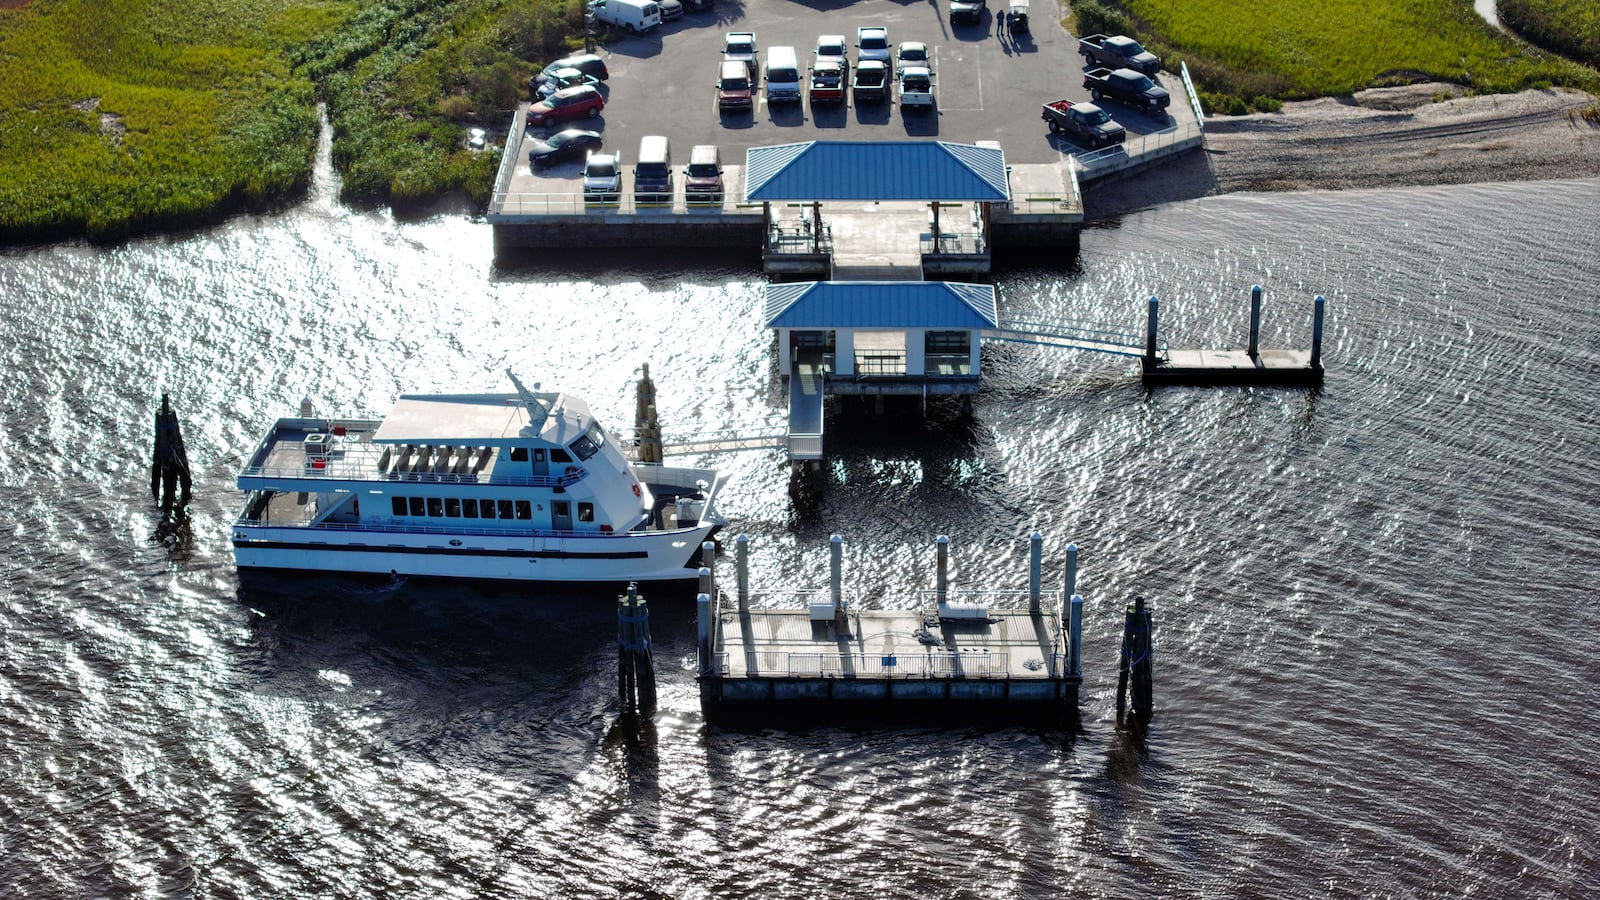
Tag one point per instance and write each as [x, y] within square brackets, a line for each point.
[485, 420]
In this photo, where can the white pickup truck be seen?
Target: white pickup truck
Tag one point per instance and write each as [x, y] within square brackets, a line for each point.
[915, 87]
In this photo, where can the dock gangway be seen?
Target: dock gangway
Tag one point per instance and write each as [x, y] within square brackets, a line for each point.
[1071, 335]
[806, 391]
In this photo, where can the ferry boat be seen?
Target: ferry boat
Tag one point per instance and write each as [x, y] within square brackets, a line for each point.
[520, 487]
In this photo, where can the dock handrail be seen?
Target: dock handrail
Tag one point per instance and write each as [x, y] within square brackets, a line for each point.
[927, 663]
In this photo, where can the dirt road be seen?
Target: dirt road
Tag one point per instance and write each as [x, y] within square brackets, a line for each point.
[1378, 138]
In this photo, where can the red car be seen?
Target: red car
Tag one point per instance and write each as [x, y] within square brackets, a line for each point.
[568, 103]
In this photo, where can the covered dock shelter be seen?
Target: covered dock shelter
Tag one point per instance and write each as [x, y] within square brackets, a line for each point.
[874, 337]
[899, 208]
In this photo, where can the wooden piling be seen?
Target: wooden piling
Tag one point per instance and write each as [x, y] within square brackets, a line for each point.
[1137, 660]
[1035, 571]
[1255, 320]
[941, 573]
[636, 674]
[741, 555]
[1316, 332]
[169, 464]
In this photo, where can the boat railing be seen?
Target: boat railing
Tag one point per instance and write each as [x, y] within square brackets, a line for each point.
[247, 521]
[351, 460]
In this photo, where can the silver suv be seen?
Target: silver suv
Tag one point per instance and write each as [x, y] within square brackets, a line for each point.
[602, 178]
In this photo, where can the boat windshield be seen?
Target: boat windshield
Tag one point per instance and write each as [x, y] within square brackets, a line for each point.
[590, 443]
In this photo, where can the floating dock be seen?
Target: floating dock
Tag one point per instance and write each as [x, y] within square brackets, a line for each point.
[952, 655]
[1251, 366]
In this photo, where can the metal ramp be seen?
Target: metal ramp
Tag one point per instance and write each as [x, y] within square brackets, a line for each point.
[1070, 335]
[877, 242]
[805, 406]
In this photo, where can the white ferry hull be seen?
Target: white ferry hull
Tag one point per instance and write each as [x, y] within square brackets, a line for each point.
[652, 556]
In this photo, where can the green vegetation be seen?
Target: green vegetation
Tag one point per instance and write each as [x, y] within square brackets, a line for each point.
[1246, 54]
[1568, 27]
[129, 115]
[116, 114]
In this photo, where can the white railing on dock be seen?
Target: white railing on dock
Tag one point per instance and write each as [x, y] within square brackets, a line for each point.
[1148, 148]
[927, 664]
[1194, 98]
[574, 203]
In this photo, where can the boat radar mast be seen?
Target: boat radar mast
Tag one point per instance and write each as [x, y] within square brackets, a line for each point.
[536, 411]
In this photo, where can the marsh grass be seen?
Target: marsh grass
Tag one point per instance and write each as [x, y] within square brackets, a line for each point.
[1568, 27]
[121, 116]
[1242, 51]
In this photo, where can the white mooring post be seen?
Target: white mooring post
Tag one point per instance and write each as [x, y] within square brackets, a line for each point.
[1150, 330]
[1035, 570]
[1316, 332]
[708, 558]
[1070, 579]
[707, 586]
[703, 618]
[836, 572]
[741, 556]
[941, 573]
[1075, 635]
[1255, 320]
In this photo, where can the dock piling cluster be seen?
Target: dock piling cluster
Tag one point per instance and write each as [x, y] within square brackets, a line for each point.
[1135, 668]
[636, 673]
[169, 465]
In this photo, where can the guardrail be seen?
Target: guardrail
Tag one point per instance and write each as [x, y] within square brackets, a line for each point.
[927, 664]
[508, 159]
[574, 203]
[1194, 98]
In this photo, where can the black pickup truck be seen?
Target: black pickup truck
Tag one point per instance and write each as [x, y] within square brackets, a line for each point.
[1085, 123]
[1128, 86]
[1118, 52]
[871, 84]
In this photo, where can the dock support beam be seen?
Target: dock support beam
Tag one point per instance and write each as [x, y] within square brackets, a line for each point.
[836, 580]
[1255, 321]
[1316, 332]
[1137, 660]
[1035, 570]
[741, 556]
[703, 618]
[1150, 334]
[941, 574]
[636, 673]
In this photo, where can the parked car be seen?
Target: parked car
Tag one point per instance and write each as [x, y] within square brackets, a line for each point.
[1118, 52]
[1130, 87]
[1084, 122]
[602, 178]
[670, 9]
[567, 103]
[871, 83]
[828, 81]
[702, 181]
[969, 12]
[740, 46]
[911, 53]
[832, 46]
[564, 78]
[916, 87]
[872, 42]
[733, 85]
[563, 145]
[587, 63]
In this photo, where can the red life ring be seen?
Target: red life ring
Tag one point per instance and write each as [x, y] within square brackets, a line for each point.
[636, 491]
[571, 471]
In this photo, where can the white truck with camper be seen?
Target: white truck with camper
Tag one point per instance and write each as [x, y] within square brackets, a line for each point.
[629, 15]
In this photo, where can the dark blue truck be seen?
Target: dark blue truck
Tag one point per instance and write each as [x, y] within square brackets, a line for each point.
[1132, 88]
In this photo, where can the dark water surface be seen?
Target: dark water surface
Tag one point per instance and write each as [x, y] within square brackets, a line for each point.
[1376, 606]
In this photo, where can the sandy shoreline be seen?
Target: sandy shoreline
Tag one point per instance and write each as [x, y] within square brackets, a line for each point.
[1379, 138]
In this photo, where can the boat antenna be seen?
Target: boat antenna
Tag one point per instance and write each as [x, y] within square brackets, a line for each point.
[536, 411]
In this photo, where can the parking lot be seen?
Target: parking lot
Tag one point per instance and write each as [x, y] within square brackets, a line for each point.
[989, 84]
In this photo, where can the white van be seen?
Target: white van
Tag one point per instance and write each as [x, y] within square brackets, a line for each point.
[783, 76]
[633, 15]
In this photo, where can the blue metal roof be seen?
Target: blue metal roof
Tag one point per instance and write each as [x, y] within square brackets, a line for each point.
[881, 304]
[875, 170]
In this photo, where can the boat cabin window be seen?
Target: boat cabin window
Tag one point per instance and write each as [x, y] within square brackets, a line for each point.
[452, 508]
[469, 509]
[524, 509]
[560, 456]
[519, 454]
[486, 509]
[417, 507]
[435, 507]
[585, 512]
[398, 504]
[591, 441]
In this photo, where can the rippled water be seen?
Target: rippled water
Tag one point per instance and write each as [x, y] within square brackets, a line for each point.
[1375, 605]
